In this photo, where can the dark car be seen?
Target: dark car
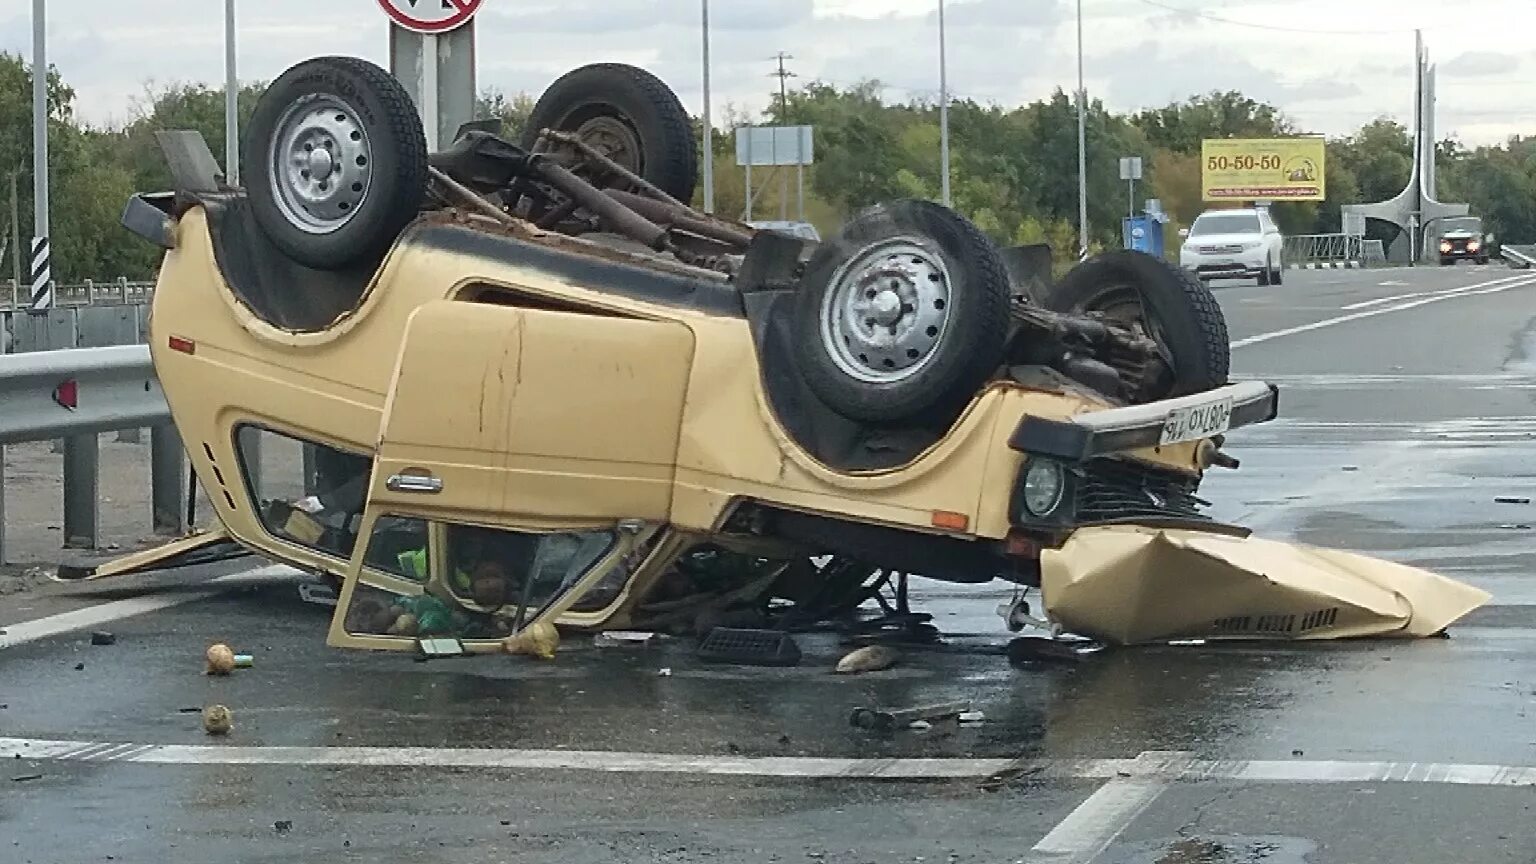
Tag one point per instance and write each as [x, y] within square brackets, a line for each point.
[1462, 239]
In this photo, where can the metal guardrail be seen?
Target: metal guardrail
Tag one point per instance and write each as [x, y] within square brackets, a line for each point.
[78, 391]
[75, 395]
[1518, 257]
[1323, 248]
[87, 293]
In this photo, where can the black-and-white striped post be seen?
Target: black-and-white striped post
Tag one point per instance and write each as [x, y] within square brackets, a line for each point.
[42, 275]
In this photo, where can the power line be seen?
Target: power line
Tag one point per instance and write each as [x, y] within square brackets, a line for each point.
[1308, 30]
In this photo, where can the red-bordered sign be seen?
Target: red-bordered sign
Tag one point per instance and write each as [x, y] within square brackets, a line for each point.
[431, 16]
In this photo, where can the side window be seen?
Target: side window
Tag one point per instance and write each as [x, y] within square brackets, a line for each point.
[464, 581]
[305, 493]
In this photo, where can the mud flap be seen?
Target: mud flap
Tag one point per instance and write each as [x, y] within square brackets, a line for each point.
[203, 547]
[1132, 584]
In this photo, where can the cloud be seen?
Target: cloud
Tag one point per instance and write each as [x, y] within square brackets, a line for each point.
[1481, 63]
[1006, 51]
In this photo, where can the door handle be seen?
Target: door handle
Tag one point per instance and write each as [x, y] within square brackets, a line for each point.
[414, 483]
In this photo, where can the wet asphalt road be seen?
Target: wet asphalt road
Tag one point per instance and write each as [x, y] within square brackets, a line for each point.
[1407, 408]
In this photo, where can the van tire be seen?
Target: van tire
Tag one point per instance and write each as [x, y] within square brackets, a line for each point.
[615, 103]
[376, 173]
[950, 321]
[1185, 317]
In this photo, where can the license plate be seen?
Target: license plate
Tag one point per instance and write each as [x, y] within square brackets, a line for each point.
[1197, 421]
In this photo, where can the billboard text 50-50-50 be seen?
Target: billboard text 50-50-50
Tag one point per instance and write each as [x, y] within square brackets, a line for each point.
[1291, 169]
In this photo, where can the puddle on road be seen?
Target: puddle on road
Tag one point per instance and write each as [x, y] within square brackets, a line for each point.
[1215, 850]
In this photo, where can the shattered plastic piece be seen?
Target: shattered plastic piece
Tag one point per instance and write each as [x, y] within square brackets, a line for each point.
[884, 720]
[539, 640]
[971, 717]
[217, 720]
[102, 637]
[221, 659]
[1027, 649]
[624, 639]
[22, 778]
[244, 661]
[870, 658]
[919, 725]
[1510, 499]
[664, 672]
[1128, 584]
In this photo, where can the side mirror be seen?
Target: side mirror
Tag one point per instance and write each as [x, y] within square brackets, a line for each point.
[1183, 232]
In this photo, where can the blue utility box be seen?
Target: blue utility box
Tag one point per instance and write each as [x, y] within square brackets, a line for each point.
[1144, 234]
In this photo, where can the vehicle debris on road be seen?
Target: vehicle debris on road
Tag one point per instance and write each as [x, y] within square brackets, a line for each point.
[102, 637]
[870, 658]
[540, 640]
[887, 719]
[1128, 584]
[217, 720]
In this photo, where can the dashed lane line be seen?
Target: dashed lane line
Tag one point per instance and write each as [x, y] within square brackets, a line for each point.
[1152, 766]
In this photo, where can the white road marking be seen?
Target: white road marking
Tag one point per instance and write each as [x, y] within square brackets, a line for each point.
[1096, 822]
[1149, 767]
[116, 610]
[1456, 290]
[1467, 291]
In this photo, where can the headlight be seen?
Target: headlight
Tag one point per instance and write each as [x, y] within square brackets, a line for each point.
[1445, 246]
[1472, 245]
[1044, 485]
[1253, 244]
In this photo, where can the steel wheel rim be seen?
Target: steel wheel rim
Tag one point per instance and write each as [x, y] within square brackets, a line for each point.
[613, 138]
[321, 162]
[887, 311]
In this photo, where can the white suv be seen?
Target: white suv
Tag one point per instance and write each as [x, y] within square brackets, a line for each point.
[1224, 244]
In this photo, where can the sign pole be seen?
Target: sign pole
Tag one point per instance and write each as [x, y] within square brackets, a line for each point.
[429, 92]
[42, 269]
[432, 52]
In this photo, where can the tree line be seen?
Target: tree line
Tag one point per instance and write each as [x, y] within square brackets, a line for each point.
[1013, 170]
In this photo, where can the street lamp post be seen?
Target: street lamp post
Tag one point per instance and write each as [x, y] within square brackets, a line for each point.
[709, 132]
[1082, 144]
[231, 99]
[943, 112]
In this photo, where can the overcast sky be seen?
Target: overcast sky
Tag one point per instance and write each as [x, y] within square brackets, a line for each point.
[1331, 65]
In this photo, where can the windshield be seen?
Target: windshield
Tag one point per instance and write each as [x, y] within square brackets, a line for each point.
[1461, 223]
[1225, 223]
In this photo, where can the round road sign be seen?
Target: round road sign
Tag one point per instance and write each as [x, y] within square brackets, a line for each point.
[431, 16]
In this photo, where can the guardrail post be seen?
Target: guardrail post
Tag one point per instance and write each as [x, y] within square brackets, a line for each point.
[2, 507]
[82, 502]
[167, 481]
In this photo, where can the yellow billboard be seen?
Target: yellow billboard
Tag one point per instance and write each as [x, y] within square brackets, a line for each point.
[1248, 169]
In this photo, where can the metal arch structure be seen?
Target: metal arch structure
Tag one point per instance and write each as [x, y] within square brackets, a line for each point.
[1416, 206]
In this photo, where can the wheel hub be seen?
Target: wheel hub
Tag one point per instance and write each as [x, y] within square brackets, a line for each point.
[321, 161]
[886, 310]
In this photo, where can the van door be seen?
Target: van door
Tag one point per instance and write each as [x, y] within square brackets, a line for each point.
[523, 456]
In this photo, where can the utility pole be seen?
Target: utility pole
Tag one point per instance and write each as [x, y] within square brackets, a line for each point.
[709, 131]
[943, 112]
[783, 75]
[42, 270]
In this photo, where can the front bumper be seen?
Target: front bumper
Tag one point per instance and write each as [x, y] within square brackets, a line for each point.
[1098, 488]
[1248, 262]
